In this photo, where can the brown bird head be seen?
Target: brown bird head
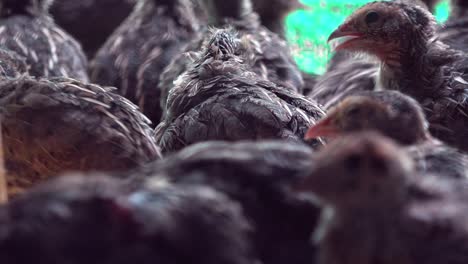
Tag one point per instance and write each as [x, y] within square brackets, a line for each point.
[384, 29]
[358, 170]
[390, 113]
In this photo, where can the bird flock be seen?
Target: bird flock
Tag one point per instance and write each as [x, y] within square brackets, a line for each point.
[182, 131]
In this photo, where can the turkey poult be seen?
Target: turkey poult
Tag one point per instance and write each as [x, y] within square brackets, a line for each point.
[220, 98]
[50, 127]
[258, 175]
[270, 57]
[138, 51]
[400, 118]
[403, 37]
[27, 29]
[94, 219]
[91, 22]
[377, 210]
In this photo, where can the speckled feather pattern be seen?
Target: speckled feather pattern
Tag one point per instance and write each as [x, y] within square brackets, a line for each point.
[12, 65]
[220, 98]
[270, 56]
[135, 55]
[49, 51]
[59, 125]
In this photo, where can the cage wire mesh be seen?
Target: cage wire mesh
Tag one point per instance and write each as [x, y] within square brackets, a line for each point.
[308, 30]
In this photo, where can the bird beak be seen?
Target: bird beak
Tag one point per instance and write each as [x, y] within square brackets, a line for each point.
[343, 37]
[324, 128]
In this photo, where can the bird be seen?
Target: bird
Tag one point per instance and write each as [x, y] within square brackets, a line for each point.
[135, 55]
[27, 29]
[257, 175]
[58, 125]
[400, 118]
[97, 219]
[91, 22]
[454, 30]
[271, 57]
[273, 13]
[403, 38]
[220, 98]
[376, 209]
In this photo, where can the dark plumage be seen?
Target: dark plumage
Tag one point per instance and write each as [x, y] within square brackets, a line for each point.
[91, 22]
[272, 13]
[455, 29]
[12, 65]
[60, 125]
[376, 209]
[270, 57]
[95, 220]
[27, 29]
[344, 78]
[220, 98]
[403, 38]
[135, 55]
[399, 117]
[257, 175]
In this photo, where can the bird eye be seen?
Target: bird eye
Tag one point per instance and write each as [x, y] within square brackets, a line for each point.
[372, 17]
[353, 111]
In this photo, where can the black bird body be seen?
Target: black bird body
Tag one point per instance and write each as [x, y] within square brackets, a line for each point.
[27, 29]
[95, 219]
[220, 98]
[91, 22]
[58, 125]
[270, 59]
[135, 55]
[415, 62]
[378, 210]
[258, 175]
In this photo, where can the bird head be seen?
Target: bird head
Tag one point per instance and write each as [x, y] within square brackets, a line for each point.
[390, 113]
[358, 170]
[383, 28]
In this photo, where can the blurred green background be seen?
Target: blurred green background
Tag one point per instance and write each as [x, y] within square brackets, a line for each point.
[308, 30]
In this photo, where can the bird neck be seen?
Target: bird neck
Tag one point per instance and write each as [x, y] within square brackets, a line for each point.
[415, 69]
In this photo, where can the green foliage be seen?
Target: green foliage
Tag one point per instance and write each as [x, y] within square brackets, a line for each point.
[308, 30]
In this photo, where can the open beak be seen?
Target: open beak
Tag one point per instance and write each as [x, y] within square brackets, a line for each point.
[343, 37]
[324, 128]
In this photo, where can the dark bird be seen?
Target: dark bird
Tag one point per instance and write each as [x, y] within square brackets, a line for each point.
[50, 127]
[273, 13]
[136, 54]
[92, 219]
[377, 210]
[27, 29]
[400, 118]
[220, 98]
[403, 37]
[270, 59]
[258, 175]
[455, 29]
[91, 22]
